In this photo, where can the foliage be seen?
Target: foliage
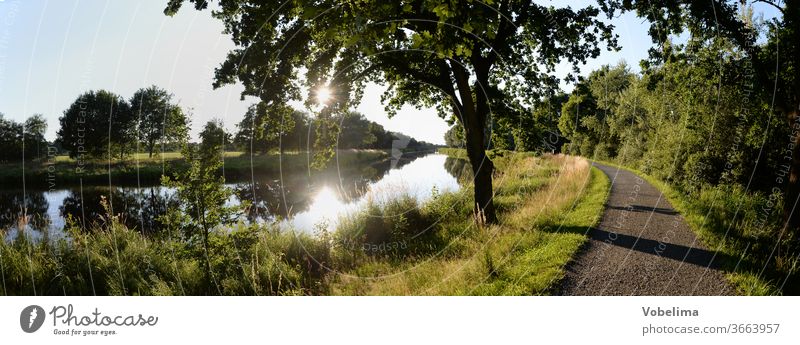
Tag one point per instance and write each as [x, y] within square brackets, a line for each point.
[454, 137]
[160, 120]
[585, 117]
[538, 131]
[25, 140]
[98, 124]
[693, 123]
[260, 132]
[201, 192]
[469, 60]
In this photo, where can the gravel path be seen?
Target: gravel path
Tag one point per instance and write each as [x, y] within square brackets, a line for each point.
[642, 246]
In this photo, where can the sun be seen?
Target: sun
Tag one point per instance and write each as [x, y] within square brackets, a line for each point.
[323, 95]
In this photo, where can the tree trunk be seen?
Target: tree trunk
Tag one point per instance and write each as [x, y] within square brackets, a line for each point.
[473, 117]
[482, 169]
[208, 260]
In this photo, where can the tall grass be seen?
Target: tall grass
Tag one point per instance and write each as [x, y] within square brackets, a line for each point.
[115, 260]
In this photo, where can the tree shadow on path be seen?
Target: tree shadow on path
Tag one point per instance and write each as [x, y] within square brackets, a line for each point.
[690, 255]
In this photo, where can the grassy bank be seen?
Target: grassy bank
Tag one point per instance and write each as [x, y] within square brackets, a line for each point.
[399, 246]
[114, 260]
[139, 168]
[729, 220]
[545, 205]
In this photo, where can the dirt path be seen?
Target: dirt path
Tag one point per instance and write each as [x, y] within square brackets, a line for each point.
[642, 246]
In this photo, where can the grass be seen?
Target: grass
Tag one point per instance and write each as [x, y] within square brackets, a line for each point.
[453, 153]
[399, 246]
[541, 201]
[745, 247]
[140, 168]
[115, 260]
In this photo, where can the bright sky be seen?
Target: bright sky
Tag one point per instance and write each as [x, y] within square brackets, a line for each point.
[52, 51]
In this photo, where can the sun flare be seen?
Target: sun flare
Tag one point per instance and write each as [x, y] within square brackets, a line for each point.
[323, 95]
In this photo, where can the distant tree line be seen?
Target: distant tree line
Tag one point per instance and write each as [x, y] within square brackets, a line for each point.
[297, 131]
[23, 140]
[102, 124]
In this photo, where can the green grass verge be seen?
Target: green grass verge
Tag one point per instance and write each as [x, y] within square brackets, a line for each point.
[537, 263]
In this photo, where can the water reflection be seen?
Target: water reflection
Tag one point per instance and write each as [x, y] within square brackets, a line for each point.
[300, 200]
[296, 193]
[24, 209]
[138, 208]
[459, 168]
[418, 180]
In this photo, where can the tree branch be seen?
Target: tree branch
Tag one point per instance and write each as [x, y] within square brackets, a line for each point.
[504, 29]
[461, 76]
[773, 5]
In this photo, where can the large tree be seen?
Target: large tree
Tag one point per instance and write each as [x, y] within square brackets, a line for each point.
[98, 124]
[466, 58]
[160, 120]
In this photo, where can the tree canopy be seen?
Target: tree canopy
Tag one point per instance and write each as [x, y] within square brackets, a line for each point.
[470, 60]
[20, 141]
[159, 119]
[98, 124]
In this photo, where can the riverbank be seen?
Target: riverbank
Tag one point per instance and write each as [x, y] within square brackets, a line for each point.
[399, 246]
[63, 171]
[545, 206]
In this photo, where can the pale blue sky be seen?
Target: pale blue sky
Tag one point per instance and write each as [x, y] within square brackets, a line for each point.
[51, 51]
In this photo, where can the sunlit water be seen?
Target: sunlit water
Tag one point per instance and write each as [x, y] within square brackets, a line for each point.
[303, 203]
[418, 179]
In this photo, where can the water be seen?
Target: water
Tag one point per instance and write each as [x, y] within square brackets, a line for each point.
[301, 200]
